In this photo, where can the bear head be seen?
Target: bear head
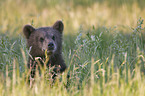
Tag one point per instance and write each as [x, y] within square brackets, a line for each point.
[40, 39]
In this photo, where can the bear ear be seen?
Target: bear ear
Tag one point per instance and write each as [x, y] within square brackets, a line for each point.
[58, 25]
[27, 30]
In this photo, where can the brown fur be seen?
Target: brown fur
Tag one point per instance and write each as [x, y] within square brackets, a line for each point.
[39, 40]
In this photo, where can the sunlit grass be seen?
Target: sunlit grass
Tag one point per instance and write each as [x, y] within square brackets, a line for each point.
[19, 13]
[115, 85]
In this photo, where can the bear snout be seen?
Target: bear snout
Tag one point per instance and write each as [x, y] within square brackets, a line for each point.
[50, 46]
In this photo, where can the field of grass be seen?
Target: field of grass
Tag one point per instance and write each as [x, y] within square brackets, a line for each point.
[103, 47]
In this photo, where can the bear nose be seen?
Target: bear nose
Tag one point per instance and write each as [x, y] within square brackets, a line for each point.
[50, 46]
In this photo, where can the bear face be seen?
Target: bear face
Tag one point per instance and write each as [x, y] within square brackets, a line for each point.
[43, 38]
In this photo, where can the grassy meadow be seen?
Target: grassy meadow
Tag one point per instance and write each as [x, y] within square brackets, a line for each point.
[103, 47]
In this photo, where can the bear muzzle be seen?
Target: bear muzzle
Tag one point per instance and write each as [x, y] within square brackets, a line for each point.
[50, 46]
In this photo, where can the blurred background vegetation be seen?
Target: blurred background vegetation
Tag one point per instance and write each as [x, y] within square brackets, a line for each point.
[14, 14]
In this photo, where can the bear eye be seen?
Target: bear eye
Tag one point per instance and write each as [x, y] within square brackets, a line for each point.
[41, 39]
[53, 37]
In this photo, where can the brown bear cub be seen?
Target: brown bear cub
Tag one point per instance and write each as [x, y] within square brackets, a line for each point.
[45, 39]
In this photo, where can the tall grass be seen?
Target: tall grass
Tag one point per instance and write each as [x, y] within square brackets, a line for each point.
[103, 49]
[103, 62]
